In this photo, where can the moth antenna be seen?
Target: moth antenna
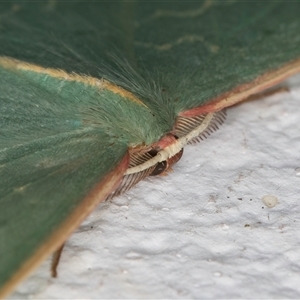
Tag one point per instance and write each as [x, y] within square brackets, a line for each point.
[128, 181]
[186, 124]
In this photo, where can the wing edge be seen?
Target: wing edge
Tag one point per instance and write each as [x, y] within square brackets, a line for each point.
[98, 194]
[246, 90]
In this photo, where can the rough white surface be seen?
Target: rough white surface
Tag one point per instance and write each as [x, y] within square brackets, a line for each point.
[204, 230]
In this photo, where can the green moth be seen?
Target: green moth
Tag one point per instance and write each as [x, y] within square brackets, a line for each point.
[97, 96]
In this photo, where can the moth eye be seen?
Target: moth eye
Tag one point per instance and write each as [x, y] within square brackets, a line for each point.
[166, 164]
[152, 152]
[159, 168]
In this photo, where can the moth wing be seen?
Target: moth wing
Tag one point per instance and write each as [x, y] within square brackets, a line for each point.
[53, 172]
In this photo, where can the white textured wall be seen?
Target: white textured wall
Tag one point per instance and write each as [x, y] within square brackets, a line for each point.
[203, 231]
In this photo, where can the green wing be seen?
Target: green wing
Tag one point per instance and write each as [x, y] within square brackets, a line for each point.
[53, 171]
[62, 140]
[194, 51]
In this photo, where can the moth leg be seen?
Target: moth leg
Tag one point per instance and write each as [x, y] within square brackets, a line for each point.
[55, 260]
